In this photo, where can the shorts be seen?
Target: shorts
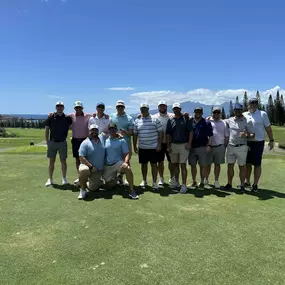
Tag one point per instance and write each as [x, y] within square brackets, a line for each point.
[94, 178]
[147, 155]
[54, 147]
[255, 151]
[111, 171]
[238, 153]
[75, 146]
[161, 154]
[198, 155]
[179, 153]
[217, 155]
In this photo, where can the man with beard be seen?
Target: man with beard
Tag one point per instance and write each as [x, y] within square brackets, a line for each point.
[179, 138]
[92, 158]
[259, 121]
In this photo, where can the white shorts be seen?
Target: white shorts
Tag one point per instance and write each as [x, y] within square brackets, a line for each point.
[237, 153]
[111, 171]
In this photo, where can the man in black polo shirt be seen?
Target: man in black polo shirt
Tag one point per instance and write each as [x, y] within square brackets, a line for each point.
[56, 130]
[201, 146]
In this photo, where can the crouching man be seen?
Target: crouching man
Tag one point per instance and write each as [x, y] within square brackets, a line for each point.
[92, 160]
[117, 161]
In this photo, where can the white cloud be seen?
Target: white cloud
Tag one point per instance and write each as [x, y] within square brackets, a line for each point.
[63, 1]
[55, 97]
[121, 88]
[44, 1]
[201, 95]
[109, 107]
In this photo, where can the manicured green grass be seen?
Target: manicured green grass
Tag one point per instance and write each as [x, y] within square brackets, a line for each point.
[278, 133]
[47, 236]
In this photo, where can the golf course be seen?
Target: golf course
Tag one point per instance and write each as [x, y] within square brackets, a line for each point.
[48, 236]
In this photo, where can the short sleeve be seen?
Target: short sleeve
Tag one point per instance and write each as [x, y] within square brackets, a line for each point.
[168, 127]
[69, 120]
[136, 127]
[189, 125]
[265, 118]
[48, 121]
[209, 129]
[90, 122]
[125, 146]
[83, 149]
[131, 123]
[159, 126]
[227, 131]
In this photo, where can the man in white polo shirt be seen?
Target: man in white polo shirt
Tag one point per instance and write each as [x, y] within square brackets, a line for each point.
[101, 119]
[149, 132]
[259, 121]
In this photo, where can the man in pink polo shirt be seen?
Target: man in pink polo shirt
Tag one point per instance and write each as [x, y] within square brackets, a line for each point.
[79, 131]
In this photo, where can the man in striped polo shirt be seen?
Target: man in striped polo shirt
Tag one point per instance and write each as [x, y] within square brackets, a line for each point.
[149, 132]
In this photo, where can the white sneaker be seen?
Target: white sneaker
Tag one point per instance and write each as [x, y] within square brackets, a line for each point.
[217, 185]
[76, 182]
[183, 189]
[207, 186]
[49, 183]
[206, 181]
[154, 186]
[82, 194]
[64, 181]
[161, 181]
[143, 184]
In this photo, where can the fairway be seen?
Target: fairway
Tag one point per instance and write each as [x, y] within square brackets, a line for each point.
[202, 237]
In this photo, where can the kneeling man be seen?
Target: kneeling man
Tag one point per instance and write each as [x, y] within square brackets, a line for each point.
[117, 161]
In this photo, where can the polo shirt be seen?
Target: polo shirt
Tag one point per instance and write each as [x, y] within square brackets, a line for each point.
[123, 122]
[257, 121]
[59, 126]
[235, 126]
[115, 150]
[147, 129]
[163, 118]
[80, 125]
[179, 129]
[94, 152]
[202, 131]
[220, 131]
[102, 123]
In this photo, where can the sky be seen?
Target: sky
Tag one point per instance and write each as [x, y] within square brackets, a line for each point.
[206, 51]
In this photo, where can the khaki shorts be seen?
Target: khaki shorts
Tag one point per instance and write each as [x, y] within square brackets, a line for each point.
[94, 178]
[179, 153]
[238, 153]
[217, 155]
[111, 171]
[54, 147]
[198, 155]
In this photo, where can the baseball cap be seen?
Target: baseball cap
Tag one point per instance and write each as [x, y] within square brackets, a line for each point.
[93, 126]
[144, 105]
[100, 104]
[59, 103]
[176, 105]
[253, 100]
[162, 103]
[120, 103]
[198, 108]
[238, 106]
[112, 125]
[78, 104]
[216, 109]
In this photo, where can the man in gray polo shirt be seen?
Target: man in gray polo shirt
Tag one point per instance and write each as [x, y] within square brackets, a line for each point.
[237, 148]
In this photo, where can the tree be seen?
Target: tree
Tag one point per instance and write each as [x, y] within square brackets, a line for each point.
[212, 109]
[279, 110]
[259, 100]
[223, 113]
[231, 109]
[270, 110]
[245, 102]
[237, 100]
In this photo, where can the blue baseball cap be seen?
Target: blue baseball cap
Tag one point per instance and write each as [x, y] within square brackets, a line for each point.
[100, 104]
[238, 106]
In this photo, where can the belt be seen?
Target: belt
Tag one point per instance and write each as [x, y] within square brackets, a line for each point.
[111, 164]
[216, 145]
[58, 140]
[237, 145]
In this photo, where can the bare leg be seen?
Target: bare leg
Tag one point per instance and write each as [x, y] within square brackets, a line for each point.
[194, 173]
[183, 173]
[77, 163]
[242, 172]
[161, 169]
[208, 168]
[63, 167]
[217, 171]
[248, 173]
[144, 171]
[51, 167]
[130, 178]
[230, 173]
[154, 172]
[257, 174]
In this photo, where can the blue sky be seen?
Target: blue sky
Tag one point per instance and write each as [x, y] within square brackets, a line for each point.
[137, 50]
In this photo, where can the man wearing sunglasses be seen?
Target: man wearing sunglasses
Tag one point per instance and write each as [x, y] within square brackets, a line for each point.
[218, 147]
[125, 125]
[100, 119]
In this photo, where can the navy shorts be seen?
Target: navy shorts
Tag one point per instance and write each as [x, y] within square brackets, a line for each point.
[161, 154]
[255, 151]
[147, 155]
[76, 145]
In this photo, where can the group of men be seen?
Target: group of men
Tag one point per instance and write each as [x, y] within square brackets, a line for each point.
[102, 148]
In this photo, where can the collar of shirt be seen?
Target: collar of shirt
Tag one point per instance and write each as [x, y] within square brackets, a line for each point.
[123, 115]
[57, 115]
[147, 117]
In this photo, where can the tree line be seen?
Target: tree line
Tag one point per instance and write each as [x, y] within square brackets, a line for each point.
[13, 122]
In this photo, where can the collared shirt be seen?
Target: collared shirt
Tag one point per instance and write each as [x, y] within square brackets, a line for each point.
[94, 152]
[258, 121]
[123, 122]
[116, 148]
[59, 126]
[102, 123]
[202, 131]
[179, 129]
[163, 120]
[220, 131]
[235, 126]
[80, 125]
[147, 129]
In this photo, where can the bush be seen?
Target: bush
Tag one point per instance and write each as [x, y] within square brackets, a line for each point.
[5, 134]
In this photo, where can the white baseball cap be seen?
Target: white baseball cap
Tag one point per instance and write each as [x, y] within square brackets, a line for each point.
[176, 105]
[78, 104]
[93, 126]
[162, 102]
[144, 105]
[59, 103]
[120, 103]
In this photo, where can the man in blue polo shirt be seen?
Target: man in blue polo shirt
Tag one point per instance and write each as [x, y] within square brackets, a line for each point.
[201, 146]
[117, 161]
[92, 158]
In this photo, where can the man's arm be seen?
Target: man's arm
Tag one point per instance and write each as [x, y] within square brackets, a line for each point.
[210, 136]
[83, 160]
[47, 134]
[270, 136]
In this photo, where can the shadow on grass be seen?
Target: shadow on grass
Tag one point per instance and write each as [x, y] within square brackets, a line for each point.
[266, 194]
[70, 187]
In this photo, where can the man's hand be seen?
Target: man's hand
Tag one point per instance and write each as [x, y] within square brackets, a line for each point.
[158, 148]
[139, 116]
[208, 149]
[188, 146]
[243, 134]
[125, 165]
[136, 149]
[123, 132]
[271, 145]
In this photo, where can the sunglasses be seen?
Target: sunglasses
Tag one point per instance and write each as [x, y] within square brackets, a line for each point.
[216, 112]
[120, 106]
[101, 107]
